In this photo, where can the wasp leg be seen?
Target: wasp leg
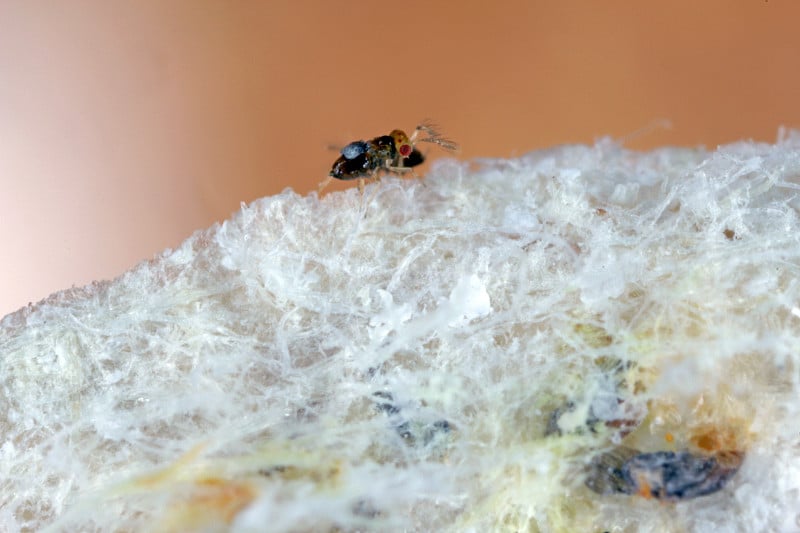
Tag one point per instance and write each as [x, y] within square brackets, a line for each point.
[400, 170]
[403, 170]
[324, 183]
[417, 177]
[377, 179]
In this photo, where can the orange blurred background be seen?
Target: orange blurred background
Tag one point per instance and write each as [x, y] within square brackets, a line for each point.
[126, 125]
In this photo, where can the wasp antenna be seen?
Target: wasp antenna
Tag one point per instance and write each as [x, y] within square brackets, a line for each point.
[447, 144]
[429, 127]
[435, 136]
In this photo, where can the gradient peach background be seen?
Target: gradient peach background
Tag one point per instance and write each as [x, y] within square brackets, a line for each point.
[126, 125]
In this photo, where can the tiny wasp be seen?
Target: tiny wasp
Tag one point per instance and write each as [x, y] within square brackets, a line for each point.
[395, 153]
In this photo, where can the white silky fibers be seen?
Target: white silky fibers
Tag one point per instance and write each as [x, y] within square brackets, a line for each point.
[451, 356]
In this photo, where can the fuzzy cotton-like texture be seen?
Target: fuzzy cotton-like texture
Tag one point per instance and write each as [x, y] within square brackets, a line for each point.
[450, 354]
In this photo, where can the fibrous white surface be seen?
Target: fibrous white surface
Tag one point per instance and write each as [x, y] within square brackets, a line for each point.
[452, 356]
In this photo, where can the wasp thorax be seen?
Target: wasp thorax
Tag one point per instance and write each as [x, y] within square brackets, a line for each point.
[354, 149]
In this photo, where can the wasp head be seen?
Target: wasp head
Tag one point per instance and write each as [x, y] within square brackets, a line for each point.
[402, 143]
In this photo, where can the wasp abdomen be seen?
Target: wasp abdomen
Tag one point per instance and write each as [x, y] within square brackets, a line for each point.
[362, 159]
[350, 169]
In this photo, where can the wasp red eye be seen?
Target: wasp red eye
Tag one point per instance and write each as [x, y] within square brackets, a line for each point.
[405, 150]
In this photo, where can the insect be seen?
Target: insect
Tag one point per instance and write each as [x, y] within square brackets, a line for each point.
[413, 432]
[663, 475]
[395, 153]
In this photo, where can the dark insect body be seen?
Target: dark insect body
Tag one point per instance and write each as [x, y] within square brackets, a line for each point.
[413, 432]
[395, 153]
[362, 159]
[664, 475]
[676, 475]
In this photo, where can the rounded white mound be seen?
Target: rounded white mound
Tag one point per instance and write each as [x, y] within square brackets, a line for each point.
[455, 353]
